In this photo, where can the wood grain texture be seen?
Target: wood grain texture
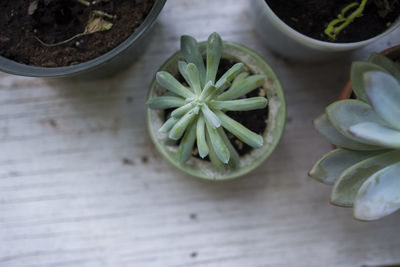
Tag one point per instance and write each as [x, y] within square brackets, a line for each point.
[82, 185]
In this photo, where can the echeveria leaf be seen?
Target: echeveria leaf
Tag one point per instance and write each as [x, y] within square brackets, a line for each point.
[377, 134]
[326, 129]
[358, 69]
[210, 116]
[228, 76]
[346, 113]
[202, 146]
[168, 125]
[251, 103]
[194, 77]
[383, 92]
[164, 102]
[242, 87]
[345, 189]
[186, 144]
[191, 53]
[234, 160]
[379, 195]
[180, 127]
[242, 133]
[214, 51]
[218, 144]
[331, 165]
[168, 81]
[386, 63]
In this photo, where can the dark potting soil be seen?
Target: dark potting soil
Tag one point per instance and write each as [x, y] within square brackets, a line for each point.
[255, 120]
[310, 17]
[54, 21]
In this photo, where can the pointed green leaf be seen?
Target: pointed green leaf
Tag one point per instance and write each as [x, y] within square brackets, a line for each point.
[168, 125]
[383, 92]
[357, 71]
[214, 51]
[182, 66]
[180, 127]
[164, 102]
[168, 81]
[209, 89]
[219, 165]
[210, 116]
[242, 133]
[243, 87]
[379, 195]
[201, 137]
[377, 134]
[345, 189]
[329, 167]
[186, 145]
[326, 129]
[234, 160]
[179, 112]
[346, 113]
[226, 79]
[191, 53]
[194, 78]
[241, 104]
[386, 63]
[218, 144]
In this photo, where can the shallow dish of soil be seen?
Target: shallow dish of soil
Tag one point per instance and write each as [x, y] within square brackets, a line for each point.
[310, 17]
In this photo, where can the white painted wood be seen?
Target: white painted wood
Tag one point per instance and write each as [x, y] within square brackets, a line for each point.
[82, 185]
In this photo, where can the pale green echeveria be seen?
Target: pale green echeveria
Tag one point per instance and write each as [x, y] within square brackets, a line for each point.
[364, 169]
[199, 108]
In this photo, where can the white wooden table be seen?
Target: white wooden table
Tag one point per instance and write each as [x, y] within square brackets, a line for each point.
[82, 185]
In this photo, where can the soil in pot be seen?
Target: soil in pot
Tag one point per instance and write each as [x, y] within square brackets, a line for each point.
[254, 120]
[27, 26]
[310, 17]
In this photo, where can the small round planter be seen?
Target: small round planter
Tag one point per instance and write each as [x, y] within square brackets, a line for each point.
[272, 134]
[104, 65]
[392, 53]
[284, 40]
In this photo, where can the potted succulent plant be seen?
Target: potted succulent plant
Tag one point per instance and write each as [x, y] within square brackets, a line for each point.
[51, 38]
[219, 119]
[316, 30]
[364, 169]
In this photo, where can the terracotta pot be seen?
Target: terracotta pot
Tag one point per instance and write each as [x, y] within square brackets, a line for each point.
[392, 53]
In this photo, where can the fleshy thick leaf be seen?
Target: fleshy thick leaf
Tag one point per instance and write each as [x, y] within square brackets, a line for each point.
[168, 81]
[345, 189]
[209, 89]
[179, 112]
[379, 195]
[329, 167]
[219, 165]
[240, 104]
[182, 66]
[374, 133]
[210, 116]
[193, 75]
[346, 113]
[191, 53]
[386, 63]
[326, 129]
[242, 133]
[242, 87]
[218, 144]
[180, 127]
[168, 125]
[234, 159]
[186, 145]
[164, 102]
[383, 92]
[202, 146]
[357, 71]
[228, 76]
[214, 51]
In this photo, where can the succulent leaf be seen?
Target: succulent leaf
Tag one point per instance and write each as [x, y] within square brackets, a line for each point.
[214, 51]
[194, 77]
[379, 195]
[326, 129]
[358, 69]
[229, 76]
[345, 189]
[164, 102]
[242, 87]
[234, 160]
[329, 167]
[218, 164]
[191, 53]
[346, 113]
[221, 150]
[186, 144]
[167, 126]
[179, 128]
[202, 146]
[179, 112]
[377, 134]
[383, 92]
[168, 81]
[210, 116]
[387, 64]
[241, 104]
[242, 133]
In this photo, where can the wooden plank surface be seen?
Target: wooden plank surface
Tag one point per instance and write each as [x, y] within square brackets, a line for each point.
[82, 185]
